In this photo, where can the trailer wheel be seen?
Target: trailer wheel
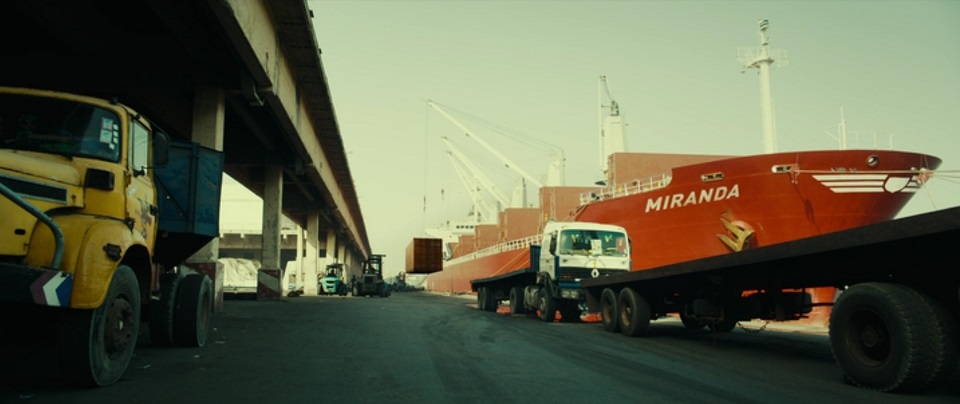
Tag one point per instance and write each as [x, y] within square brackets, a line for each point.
[608, 310]
[490, 299]
[890, 337]
[725, 325]
[194, 308]
[548, 306]
[634, 318]
[516, 300]
[95, 346]
[162, 311]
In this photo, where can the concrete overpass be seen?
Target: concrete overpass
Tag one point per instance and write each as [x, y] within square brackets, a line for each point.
[241, 76]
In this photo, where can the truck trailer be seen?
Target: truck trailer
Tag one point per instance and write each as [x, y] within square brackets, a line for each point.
[893, 326]
[574, 251]
[100, 207]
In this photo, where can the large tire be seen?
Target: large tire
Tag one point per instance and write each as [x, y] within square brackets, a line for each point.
[482, 298]
[608, 310]
[691, 323]
[548, 306]
[162, 310]
[516, 300]
[491, 302]
[194, 310]
[95, 346]
[722, 326]
[890, 337]
[634, 311]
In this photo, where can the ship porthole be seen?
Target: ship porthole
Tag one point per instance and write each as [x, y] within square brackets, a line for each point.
[873, 160]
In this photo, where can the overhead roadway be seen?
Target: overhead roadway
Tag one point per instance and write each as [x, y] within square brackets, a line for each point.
[158, 55]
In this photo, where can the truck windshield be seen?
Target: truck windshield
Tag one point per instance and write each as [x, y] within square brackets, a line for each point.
[593, 242]
[58, 126]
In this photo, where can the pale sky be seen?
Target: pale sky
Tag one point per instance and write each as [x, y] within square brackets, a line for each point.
[532, 67]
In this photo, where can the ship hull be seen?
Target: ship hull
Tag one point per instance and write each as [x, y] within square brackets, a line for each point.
[776, 197]
[764, 199]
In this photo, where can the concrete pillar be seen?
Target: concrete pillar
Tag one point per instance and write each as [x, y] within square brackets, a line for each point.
[342, 255]
[207, 130]
[312, 253]
[270, 269]
[331, 245]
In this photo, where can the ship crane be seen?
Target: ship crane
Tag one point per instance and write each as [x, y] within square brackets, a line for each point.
[555, 167]
[474, 179]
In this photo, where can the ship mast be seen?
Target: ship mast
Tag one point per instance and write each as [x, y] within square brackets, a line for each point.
[612, 140]
[761, 58]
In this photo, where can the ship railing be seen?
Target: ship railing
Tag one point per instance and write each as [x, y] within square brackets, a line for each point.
[520, 243]
[634, 187]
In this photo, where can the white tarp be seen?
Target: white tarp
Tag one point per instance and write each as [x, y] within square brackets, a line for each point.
[239, 272]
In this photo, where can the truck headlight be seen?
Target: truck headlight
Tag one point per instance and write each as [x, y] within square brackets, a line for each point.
[570, 294]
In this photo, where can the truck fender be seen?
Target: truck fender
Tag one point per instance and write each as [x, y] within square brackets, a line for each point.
[94, 248]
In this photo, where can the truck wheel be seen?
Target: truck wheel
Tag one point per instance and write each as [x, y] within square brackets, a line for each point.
[690, 323]
[95, 346]
[634, 318]
[725, 325]
[482, 298]
[194, 308]
[516, 300]
[890, 337]
[608, 310]
[548, 306]
[162, 311]
[490, 303]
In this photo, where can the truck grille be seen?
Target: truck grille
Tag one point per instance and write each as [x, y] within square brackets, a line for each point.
[584, 273]
[34, 190]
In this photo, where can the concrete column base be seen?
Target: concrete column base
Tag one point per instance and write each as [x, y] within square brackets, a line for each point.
[268, 284]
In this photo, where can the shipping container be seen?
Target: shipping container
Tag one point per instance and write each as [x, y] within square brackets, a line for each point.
[424, 256]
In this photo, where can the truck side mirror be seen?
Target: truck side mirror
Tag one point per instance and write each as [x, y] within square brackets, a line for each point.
[161, 149]
[553, 244]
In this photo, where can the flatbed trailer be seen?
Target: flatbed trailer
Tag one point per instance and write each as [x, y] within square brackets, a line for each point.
[893, 326]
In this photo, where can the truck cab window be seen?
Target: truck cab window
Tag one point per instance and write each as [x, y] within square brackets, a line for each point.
[139, 147]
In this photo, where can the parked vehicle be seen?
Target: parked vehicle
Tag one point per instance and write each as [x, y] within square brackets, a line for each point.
[99, 209]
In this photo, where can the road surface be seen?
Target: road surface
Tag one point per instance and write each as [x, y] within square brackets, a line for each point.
[422, 347]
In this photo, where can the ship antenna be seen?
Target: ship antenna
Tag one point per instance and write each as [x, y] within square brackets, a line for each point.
[761, 58]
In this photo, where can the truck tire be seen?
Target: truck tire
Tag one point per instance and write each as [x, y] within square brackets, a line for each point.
[95, 346]
[548, 306]
[634, 318]
[892, 338]
[516, 300]
[608, 310]
[725, 325]
[193, 311]
[482, 298]
[691, 323]
[162, 310]
[490, 300]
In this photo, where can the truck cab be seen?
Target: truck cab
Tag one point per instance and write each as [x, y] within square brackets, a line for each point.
[95, 204]
[569, 253]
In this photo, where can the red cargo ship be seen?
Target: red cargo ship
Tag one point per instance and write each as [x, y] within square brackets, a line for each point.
[717, 205]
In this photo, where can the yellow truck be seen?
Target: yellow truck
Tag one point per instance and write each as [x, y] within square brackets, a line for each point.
[98, 209]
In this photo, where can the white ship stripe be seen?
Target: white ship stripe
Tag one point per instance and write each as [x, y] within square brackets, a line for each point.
[850, 190]
[850, 177]
[833, 184]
